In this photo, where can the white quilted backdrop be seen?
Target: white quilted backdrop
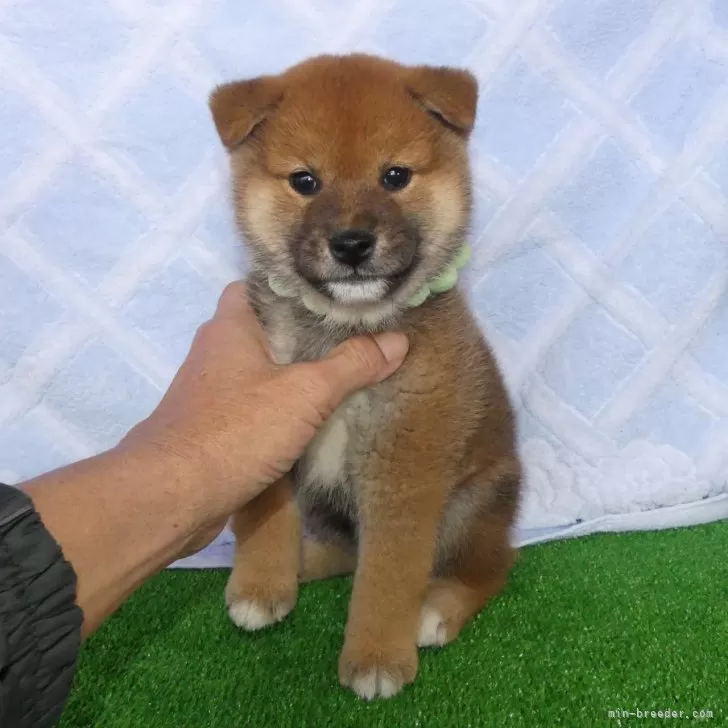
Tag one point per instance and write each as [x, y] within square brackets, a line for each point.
[601, 266]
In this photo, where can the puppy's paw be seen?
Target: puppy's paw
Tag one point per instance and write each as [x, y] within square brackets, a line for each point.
[377, 673]
[433, 630]
[253, 615]
[255, 608]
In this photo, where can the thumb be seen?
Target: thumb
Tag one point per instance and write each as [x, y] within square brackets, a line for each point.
[358, 363]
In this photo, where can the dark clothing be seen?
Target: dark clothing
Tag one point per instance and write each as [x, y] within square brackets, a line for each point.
[40, 624]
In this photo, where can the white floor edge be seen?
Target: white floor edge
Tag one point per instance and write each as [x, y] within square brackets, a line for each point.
[683, 515]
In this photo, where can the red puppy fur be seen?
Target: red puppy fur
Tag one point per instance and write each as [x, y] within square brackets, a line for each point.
[352, 189]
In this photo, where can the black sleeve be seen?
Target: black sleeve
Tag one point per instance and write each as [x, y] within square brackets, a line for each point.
[40, 624]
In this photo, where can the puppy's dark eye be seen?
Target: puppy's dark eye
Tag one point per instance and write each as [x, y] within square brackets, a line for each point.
[396, 178]
[304, 183]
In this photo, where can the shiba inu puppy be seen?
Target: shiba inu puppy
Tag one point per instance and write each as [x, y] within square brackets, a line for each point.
[351, 187]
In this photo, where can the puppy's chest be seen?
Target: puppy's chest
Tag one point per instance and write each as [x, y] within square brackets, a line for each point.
[334, 457]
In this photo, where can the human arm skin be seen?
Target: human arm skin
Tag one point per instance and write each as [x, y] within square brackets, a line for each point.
[231, 423]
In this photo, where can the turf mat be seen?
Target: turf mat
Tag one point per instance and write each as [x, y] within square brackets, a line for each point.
[628, 622]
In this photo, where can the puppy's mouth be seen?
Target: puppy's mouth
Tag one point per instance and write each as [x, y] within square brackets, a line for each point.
[359, 288]
[353, 291]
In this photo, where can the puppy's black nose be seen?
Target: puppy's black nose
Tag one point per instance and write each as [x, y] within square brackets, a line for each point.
[352, 247]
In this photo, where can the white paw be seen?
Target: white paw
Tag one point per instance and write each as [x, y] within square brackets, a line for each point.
[375, 683]
[250, 615]
[433, 632]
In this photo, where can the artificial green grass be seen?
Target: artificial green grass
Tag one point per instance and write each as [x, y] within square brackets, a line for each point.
[616, 622]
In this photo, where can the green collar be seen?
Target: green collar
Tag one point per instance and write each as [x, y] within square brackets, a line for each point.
[445, 281]
[439, 284]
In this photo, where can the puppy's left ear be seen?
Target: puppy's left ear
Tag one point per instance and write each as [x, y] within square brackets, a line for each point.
[448, 94]
[239, 107]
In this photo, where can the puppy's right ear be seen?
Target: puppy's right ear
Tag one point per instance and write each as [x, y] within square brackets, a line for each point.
[448, 94]
[238, 107]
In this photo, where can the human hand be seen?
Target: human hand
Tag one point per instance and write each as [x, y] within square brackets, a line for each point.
[241, 421]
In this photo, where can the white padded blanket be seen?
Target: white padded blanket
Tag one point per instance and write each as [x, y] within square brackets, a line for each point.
[601, 265]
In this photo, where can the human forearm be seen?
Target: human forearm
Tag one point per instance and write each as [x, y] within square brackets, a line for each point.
[119, 518]
[231, 423]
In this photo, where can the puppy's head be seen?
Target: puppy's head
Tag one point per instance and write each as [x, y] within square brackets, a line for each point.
[350, 174]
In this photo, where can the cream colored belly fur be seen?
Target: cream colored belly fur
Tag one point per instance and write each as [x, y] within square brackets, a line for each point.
[325, 461]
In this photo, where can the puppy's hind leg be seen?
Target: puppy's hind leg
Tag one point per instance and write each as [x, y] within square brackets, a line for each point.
[322, 560]
[450, 603]
[478, 571]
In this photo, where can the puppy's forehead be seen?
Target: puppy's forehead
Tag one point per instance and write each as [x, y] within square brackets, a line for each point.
[349, 118]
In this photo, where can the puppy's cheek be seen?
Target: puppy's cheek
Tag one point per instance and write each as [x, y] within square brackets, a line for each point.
[449, 206]
[268, 217]
[257, 203]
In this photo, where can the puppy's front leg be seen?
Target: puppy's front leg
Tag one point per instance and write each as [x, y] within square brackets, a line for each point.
[263, 585]
[399, 517]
